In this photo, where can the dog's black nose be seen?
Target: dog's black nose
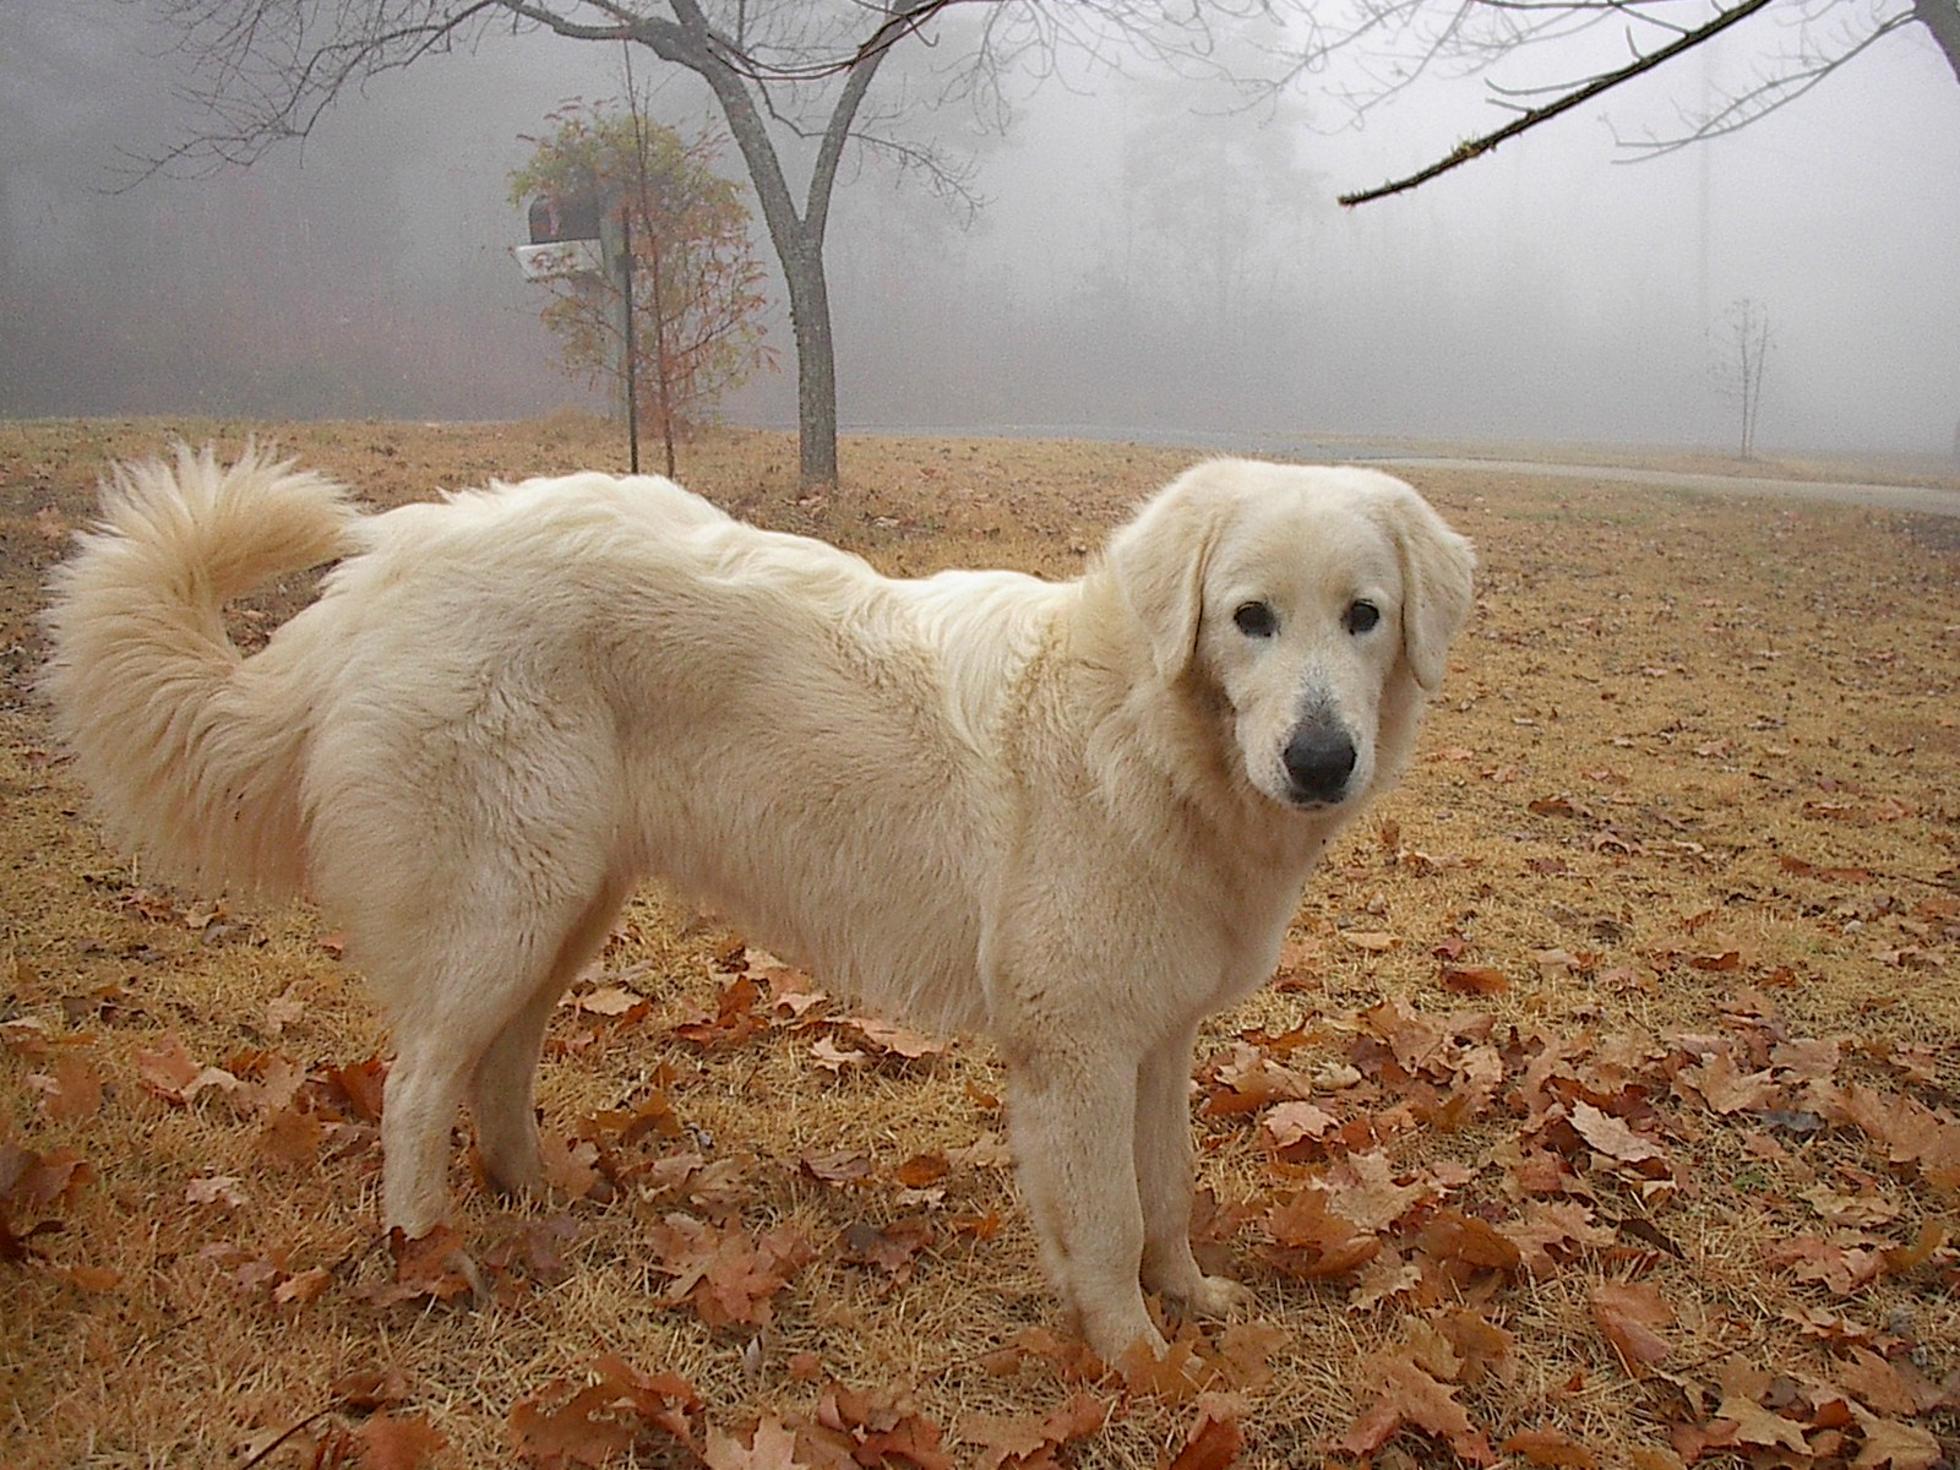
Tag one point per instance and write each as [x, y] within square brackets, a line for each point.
[1319, 760]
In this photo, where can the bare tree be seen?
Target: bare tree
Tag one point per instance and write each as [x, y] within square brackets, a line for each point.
[791, 77]
[1744, 353]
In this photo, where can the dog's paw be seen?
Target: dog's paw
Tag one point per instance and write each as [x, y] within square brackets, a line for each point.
[1148, 1346]
[1218, 1296]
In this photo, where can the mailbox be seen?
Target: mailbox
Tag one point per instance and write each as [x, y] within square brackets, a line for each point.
[564, 239]
[573, 218]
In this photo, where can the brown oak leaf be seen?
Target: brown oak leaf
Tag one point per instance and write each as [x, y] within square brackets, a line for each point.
[1630, 1315]
[1612, 1136]
[1411, 1397]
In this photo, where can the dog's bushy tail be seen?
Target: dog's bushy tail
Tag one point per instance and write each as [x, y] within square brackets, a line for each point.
[192, 760]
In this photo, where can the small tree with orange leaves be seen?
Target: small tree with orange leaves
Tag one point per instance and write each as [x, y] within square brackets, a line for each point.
[697, 286]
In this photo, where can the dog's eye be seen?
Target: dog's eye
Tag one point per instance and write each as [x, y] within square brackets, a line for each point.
[1256, 620]
[1361, 616]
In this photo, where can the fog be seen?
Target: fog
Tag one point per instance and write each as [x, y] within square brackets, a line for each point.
[1144, 261]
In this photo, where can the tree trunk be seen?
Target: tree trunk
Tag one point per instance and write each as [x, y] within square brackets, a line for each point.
[816, 363]
[1942, 18]
[797, 237]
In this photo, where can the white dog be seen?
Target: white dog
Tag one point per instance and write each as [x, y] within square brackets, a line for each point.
[1076, 817]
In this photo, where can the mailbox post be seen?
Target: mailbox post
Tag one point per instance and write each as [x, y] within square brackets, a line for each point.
[586, 239]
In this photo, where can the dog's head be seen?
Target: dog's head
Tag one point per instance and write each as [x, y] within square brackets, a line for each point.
[1319, 603]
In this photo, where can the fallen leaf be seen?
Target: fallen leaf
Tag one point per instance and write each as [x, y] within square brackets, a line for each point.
[1901, 1259]
[291, 1138]
[1480, 1345]
[771, 1447]
[834, 1058]
[1474, 979]
[1844, 1269]
[1630, 1316]
[1176, 1378]
[170, 1073]
[359, 1088]
[1549, 1229]
[433, 1265]
[1727, 959]
[609, 1000]
[568, 1424]
[1550, 1447]
[882, 1427]
[1726, 1089]
[369, 1388]
[1025, 1439]
[734, 1020]
[215, 1189]
[1316, 1241]
[1741, 1420]
[1388, 1275]
[570, 1164]
[1288, 1124]
[1214, 1444]
[896, 1040]
[285, 1009]
[792, 992]
[728, 1278]
[1244, 1349]
[31, 1182]
[537, 1247]
[1368, 1194]
[1612, 1136]
[988, 1151]
[73, 1091]
[1452, 1235]
[1880, 1385]
[891, 1248]
[391, 1443]
[303, 1287]
[1375, 941]
[1902, 1446]
[842, 1166]
[922, 1169]
[87, 1278]
[1411, 1396]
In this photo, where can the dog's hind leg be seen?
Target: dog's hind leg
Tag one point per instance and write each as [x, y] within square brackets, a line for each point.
[502, 1084]
[479, 978]
[425, 1087]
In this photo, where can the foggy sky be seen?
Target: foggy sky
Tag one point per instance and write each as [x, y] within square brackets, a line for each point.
[1136, 265]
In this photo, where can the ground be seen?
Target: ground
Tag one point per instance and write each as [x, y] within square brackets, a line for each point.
[1603, 1111]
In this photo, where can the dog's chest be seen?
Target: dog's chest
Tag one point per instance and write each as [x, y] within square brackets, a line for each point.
[1250, 919]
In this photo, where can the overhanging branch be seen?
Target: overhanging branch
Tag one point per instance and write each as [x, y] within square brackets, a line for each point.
[1477, 147]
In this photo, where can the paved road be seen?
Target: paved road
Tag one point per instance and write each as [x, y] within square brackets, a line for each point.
[1884, 497]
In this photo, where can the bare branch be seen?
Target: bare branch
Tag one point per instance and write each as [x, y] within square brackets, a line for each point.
[1477, 147]
[1761, 100]
[286, 93]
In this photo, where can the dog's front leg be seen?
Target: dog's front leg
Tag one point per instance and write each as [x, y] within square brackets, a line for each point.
[1072, 1115]
[1164, 1168]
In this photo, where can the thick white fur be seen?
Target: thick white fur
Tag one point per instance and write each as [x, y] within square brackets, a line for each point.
[1054, 813]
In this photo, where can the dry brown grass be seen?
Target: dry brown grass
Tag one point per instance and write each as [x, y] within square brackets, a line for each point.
[1711, 686]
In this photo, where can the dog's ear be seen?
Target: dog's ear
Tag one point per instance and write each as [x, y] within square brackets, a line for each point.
[1158, 564]
[1436, 583]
